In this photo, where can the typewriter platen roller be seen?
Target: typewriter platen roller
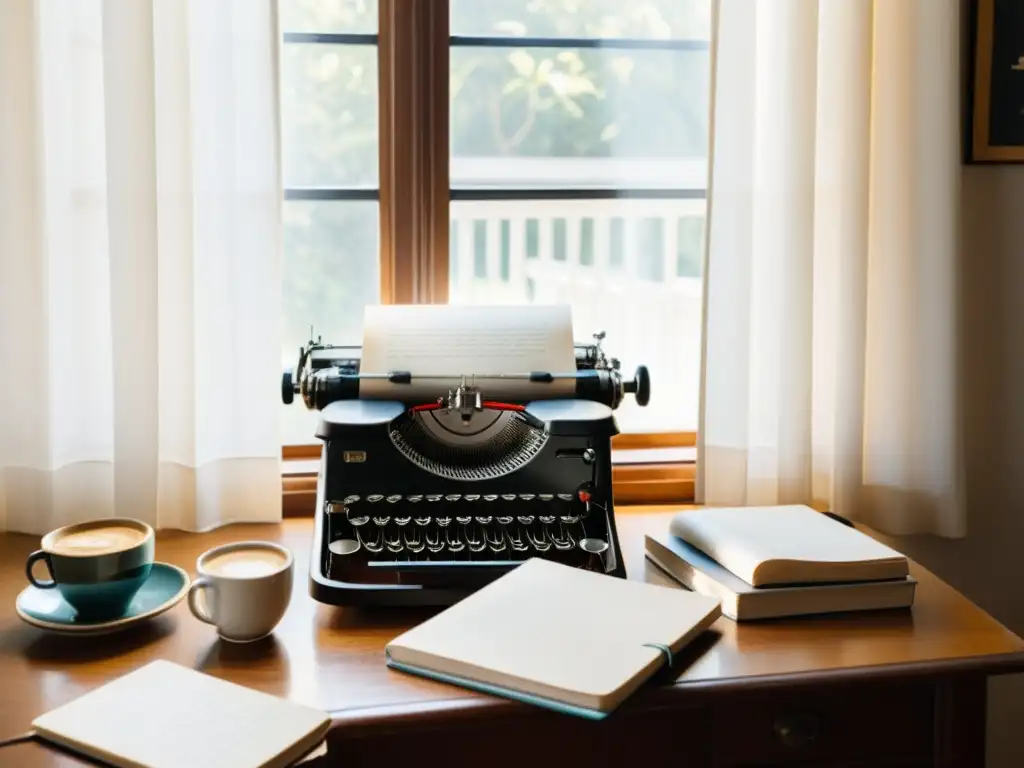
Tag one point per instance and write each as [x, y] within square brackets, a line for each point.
[421, 500]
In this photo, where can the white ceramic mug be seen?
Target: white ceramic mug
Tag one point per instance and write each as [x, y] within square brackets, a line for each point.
[243, 589]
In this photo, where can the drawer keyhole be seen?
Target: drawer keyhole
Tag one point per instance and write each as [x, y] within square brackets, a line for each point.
[797, 730]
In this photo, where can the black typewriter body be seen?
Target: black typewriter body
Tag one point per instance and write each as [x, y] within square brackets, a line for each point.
[421, 503]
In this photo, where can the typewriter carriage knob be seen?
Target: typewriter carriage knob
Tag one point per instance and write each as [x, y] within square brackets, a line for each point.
[640, 386]
[287, 388]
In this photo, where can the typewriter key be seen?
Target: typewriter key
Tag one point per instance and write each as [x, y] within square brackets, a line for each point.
[453, 497]
[373, 498]
[472, 497]
[545, 496]
[414, 542]
[434, 497]
[344, 546]
[527, 496]
[539, 541]
[393, 542]
[414, 499]
[563, 540]
[435, 541]
[356, 520]
[394, 498]
[515, 540]
[508, 497]
[491, 497]
[595, 549]
[351, 499]
[455, 544]
[494, 540]
[475, 539]
[565, 497]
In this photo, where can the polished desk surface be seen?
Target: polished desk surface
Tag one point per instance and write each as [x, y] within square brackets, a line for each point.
[333, 658]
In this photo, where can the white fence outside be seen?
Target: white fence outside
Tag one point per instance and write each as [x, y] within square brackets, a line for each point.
[651, 313]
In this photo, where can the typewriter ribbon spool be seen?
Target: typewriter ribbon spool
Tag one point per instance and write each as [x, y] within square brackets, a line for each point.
[451, 456]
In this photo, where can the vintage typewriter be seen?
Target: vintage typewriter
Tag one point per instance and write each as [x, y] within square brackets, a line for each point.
[422, 500]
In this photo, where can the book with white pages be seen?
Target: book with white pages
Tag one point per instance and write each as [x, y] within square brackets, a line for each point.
[164, 715]
[787, 544]
[742, 602]
[555, 636]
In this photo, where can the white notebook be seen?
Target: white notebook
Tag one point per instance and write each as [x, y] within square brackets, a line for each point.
[791, 544]
[164, 715]
[556, 636]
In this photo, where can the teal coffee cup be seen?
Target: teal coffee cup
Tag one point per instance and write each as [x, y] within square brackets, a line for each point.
[97, 566]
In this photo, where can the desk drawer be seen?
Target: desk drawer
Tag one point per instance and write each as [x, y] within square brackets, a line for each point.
[843, 725]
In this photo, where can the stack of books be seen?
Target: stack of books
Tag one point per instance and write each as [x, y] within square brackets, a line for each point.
[769, 562]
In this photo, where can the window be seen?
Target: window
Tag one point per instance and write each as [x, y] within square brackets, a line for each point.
[501, 151]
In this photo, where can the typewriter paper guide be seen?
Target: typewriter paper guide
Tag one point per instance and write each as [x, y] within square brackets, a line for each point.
[563, 634]
[447, 340]
[789, 544]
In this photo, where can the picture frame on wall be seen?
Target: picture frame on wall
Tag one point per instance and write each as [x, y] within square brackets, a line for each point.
[996, 124]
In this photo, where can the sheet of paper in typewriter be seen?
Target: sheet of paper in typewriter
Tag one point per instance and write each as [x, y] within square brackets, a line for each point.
[475, 341]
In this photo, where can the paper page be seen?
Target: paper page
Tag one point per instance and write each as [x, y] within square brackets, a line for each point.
[746, 539]
[433, 340]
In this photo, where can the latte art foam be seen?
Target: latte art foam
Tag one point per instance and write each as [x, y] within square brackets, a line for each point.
[246, 563]
[98, 541]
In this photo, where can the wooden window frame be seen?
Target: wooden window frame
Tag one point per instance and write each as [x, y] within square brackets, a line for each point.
[413, 44]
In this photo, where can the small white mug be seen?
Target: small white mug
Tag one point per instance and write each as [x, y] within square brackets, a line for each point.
[243, 589]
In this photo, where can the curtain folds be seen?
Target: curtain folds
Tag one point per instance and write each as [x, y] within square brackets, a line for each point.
[139, 247]
[830, 361]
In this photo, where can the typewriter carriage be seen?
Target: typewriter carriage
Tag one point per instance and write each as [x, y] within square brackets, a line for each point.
[424, 502]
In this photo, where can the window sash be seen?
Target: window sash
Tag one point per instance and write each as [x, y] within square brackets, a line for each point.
[414, 195]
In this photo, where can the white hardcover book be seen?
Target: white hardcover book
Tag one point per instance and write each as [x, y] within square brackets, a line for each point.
[164, 715]
[742, 602]
[790, 544]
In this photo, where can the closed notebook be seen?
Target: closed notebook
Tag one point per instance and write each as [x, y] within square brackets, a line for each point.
[164, 715]
[742, 602]
[557, 637]
[792, 544]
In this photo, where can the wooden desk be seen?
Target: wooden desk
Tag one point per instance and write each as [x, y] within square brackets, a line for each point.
[886, 689]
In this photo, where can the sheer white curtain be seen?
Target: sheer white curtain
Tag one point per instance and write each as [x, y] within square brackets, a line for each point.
[830, 366]
[139, 262]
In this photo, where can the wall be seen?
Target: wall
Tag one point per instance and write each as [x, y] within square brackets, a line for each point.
[985, 565]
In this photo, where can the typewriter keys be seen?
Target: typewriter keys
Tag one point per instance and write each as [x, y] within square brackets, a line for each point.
[471, 527]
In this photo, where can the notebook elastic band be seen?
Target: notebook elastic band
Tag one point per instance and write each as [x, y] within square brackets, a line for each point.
[663, 648]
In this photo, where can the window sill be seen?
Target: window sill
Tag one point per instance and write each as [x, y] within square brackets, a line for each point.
[663, 475]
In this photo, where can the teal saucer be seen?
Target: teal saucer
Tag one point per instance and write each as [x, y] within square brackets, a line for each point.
[45, 608]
